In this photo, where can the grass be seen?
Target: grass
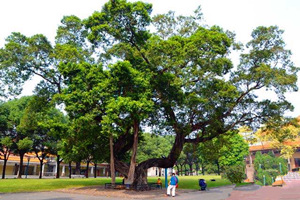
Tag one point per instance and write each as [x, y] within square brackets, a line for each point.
[31, 185]
[191, 182]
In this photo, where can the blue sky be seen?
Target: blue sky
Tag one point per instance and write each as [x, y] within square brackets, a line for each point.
[240, 16]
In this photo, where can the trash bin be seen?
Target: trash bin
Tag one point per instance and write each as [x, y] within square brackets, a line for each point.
[202, 184]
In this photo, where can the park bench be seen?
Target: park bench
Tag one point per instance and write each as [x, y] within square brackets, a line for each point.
[155, 186]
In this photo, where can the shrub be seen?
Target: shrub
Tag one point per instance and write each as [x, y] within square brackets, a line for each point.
[268, 173]
[235, 173]
[269, 166]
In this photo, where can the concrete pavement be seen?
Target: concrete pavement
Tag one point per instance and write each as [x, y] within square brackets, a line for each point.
[290, 191]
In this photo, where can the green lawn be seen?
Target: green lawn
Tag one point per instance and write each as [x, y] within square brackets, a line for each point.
[30, 185]
[191, 182]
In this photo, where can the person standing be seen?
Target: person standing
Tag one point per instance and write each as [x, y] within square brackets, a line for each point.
[172, 185]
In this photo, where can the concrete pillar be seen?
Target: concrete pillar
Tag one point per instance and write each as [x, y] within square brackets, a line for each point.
[92, 170]
[63, 170]
[34, 169]
[55, 169]
[43, 169]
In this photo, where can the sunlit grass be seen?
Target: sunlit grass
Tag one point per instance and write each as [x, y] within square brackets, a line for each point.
[191, 182]
[29, 185]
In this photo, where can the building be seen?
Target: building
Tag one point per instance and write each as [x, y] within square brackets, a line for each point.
[265, 147]
[156, 171]
[31, 167]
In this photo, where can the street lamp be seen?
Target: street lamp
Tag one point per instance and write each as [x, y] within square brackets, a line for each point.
[166, 173]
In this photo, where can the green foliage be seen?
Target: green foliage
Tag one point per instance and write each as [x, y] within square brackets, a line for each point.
[24, 144]
[6, 142]
[121, 20]
[235, 173]
[269, 166]
[227, 150]
[153, 146]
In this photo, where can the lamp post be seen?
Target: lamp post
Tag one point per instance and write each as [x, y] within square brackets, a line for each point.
[166, 177]
[264, 180]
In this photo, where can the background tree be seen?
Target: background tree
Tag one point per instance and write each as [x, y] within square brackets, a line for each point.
[180, 163]
[6, 146]
[226, 150]
[39, 122]
[24, 57]
[281, 134]
[19, 137]
[6, 140]
[153, 146]
[190, 151]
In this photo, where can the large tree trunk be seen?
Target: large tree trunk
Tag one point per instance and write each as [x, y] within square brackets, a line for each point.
[4, 167]
[20, 172]
[58, 161]
[141, 170]
[41, 169]
[132, 166]
[140, 176]
[112, 161]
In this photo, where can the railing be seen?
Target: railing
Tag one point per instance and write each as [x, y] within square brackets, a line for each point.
[77, 176]
[49, 174]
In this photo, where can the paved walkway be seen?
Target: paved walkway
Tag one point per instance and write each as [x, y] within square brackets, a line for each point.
[290, 191]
